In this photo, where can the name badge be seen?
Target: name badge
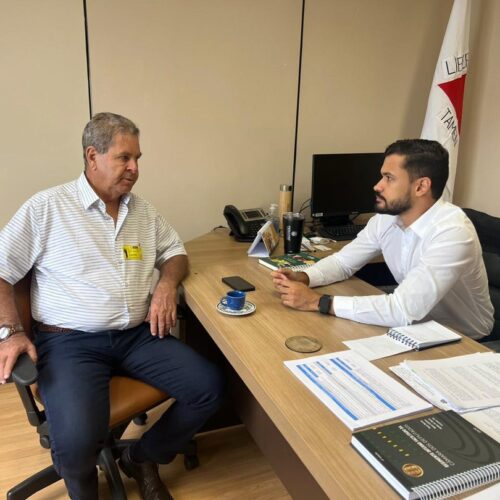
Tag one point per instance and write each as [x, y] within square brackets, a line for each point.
[132, 252]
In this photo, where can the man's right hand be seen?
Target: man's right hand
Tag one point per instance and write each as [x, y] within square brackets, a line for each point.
[10, 350]
[291, 275]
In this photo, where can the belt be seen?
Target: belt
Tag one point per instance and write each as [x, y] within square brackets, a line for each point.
[41, 327]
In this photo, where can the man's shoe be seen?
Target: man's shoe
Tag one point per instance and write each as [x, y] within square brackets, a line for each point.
[147, 477]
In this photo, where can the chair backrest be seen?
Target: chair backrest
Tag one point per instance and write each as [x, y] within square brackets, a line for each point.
[488, 231]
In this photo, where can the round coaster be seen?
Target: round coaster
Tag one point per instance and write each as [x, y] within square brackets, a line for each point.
[303, 344]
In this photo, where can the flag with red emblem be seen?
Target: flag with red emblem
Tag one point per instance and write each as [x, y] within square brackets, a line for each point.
[443, 118]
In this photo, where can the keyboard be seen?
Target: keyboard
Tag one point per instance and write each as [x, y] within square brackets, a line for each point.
[340, 233]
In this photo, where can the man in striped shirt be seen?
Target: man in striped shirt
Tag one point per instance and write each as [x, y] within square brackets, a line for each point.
[92, 246]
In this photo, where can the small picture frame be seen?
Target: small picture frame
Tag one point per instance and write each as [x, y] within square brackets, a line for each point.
[265, 242]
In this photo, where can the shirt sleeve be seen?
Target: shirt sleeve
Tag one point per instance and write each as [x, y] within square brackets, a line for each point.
[443, 260]
[20, 244]
[169, 243]
[343, 264]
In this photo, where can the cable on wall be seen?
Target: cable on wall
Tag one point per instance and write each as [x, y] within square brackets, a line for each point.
[298, 100]
[87, 53]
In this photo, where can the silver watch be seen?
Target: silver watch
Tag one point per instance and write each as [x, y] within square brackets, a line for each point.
[6, 331]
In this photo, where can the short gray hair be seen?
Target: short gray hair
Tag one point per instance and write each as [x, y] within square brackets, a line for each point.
[101, 130]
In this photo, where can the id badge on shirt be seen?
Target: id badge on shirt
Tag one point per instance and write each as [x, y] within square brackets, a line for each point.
[132, 252]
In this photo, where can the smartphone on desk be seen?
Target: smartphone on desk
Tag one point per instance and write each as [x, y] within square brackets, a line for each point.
[238, 283]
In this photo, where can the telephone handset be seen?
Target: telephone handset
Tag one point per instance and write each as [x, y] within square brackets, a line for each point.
[245, 223]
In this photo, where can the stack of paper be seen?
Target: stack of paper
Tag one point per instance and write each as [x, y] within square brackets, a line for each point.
[488, 419]
[463, 383]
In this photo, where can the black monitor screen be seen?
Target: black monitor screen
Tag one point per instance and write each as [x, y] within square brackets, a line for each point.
[343, 183]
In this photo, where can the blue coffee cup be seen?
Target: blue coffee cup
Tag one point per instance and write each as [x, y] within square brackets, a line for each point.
[234, 299]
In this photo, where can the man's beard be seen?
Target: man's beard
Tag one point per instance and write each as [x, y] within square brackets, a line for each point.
[395, 207]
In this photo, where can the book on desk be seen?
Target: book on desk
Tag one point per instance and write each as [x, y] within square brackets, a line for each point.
[431, 457]
[296, 262]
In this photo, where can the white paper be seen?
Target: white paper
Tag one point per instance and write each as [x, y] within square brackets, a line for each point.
[468, 382]
[359, 393]
[417, 385]
[487, 420]
[376, 347]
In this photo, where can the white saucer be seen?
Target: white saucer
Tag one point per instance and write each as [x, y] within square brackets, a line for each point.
[248, 308]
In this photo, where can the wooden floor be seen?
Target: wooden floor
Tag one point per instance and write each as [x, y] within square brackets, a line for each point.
[232, 466]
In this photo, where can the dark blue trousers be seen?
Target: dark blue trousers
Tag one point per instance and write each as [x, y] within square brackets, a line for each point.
[74, 373]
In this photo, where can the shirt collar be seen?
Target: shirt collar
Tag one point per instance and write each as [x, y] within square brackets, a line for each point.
[89, 197]
[420, 226]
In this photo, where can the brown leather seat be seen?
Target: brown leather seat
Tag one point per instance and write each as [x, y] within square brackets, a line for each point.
[127, 398]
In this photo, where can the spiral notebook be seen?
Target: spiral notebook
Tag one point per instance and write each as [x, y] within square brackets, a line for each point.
[431, 457]
[403, 338]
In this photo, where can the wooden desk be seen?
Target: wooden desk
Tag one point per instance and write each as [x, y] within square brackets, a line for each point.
[322, 464]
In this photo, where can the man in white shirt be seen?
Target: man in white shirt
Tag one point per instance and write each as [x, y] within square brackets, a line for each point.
[92, 246]
[430, 246]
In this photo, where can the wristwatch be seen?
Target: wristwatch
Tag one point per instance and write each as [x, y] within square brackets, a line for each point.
[325, 302]
[6, 331]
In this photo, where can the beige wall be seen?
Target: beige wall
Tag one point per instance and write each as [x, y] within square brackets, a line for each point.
[212, 84]
[478, 171]
[367, 71]
[43, 97]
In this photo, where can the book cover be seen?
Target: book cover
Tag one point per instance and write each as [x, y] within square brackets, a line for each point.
[296, 261]
[431, 457]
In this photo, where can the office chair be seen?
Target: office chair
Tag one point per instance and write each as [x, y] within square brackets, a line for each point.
[129, 401]
[488, 231]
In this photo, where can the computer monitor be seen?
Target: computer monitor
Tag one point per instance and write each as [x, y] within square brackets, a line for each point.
[342, 184]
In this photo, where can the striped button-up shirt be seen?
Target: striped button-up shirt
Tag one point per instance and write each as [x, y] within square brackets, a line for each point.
[89, 273]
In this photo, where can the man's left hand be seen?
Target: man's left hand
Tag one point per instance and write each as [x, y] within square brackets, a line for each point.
[295, 294]
[162, 313]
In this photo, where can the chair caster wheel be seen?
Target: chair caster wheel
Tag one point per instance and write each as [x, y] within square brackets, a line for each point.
[45, 442]
[141, 419]
[191, 462]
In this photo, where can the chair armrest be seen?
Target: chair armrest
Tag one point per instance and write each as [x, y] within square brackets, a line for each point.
[24, 372]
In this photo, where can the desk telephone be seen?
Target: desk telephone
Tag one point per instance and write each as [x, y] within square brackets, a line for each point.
[245, 223]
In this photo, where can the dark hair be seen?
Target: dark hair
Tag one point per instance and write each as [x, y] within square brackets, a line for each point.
[101, 130]
[423, 158]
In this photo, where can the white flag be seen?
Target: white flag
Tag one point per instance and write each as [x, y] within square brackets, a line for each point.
[444, 109]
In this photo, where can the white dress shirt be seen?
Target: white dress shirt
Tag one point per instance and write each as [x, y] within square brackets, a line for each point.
[89, 274]
[437, 262]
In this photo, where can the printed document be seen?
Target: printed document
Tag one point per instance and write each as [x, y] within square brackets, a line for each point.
[466, 383]
[358, 392]
[488, 419]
